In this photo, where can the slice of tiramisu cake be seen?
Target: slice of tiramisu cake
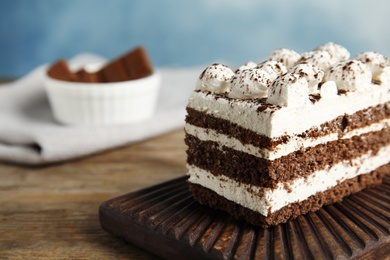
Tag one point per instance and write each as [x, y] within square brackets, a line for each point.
[275, 140]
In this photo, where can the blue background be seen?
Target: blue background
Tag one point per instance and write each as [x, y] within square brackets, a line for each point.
[183, 32]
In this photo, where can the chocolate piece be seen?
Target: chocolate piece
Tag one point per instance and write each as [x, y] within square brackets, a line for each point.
[133, 65]
[61, 71]
[167, 221]
[114, 72]
[83, 76]
[137, 63]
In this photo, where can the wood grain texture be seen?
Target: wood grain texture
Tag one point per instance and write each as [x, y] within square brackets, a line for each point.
[52, 211]
[166, 220]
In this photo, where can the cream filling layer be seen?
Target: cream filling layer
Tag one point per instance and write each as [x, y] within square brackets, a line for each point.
[287, 120]
[295, 143]
[264, 200]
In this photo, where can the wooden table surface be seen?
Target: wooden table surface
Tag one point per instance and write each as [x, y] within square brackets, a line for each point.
[52, 211]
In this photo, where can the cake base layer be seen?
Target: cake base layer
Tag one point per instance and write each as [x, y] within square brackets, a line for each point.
[250, 169]
[313, 203]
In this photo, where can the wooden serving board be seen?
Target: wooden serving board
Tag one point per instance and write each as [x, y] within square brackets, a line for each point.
[167, 221]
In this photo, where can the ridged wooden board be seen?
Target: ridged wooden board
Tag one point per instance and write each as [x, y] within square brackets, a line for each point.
[167, 221]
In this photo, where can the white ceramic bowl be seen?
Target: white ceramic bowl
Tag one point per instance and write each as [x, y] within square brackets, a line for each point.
[77, 103]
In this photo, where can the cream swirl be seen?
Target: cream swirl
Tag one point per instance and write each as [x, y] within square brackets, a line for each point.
[246, 66]
[273, 68]
[290, 90]
[250, 83]
[286, 56]
[336, 50]
[311, 73]
[215, 78]
[321, 59]
[378, 64]
[352, 75]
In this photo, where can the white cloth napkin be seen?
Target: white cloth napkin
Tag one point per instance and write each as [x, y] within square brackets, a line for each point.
[30, 135]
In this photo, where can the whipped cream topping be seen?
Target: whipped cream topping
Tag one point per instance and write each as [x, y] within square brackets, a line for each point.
[328, 62]
[321, 59]
[350, 75]
[377, 63]
[273, 68]
[290, 90]
[328, 89]
[311, 73]
[286, 56]
[250, 83]
[248, 65]
[384, 77]
[215, 78]
[337, 51]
